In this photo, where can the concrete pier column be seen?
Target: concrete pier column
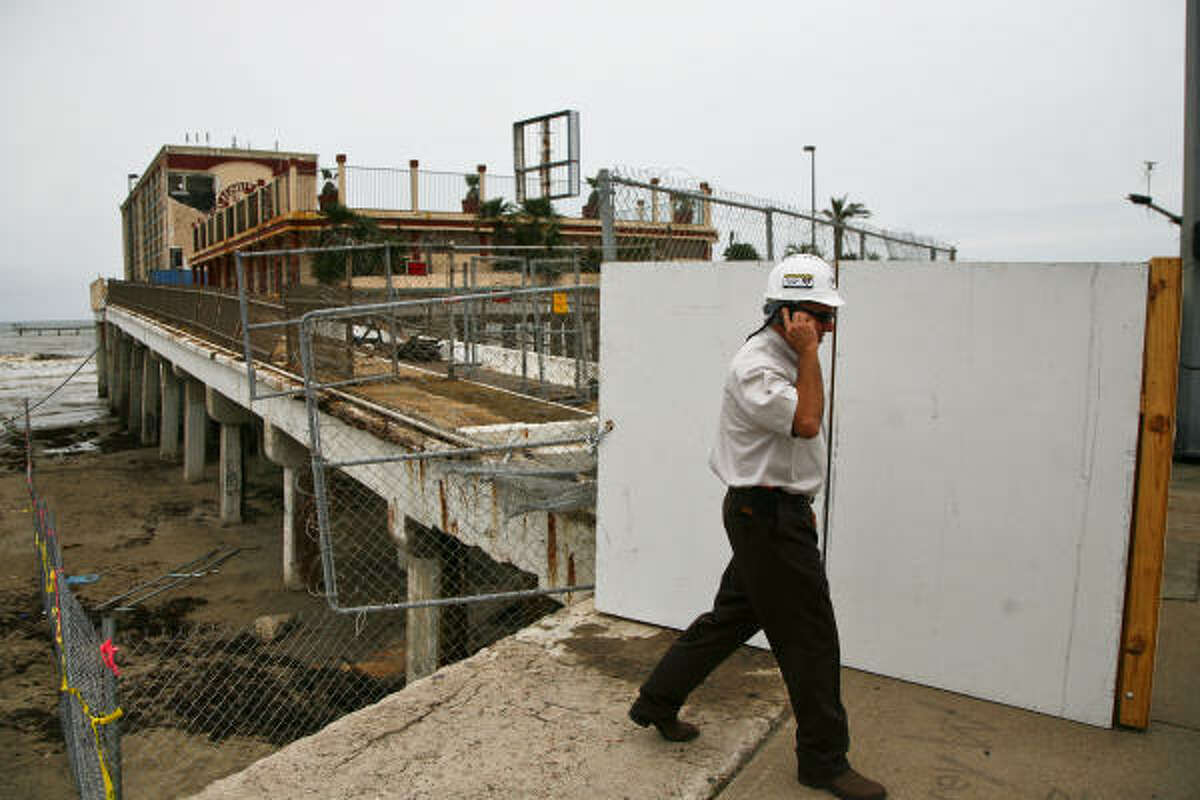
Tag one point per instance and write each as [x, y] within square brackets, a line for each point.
[150, 383]
[423, 625]
[195, 428]
[121, 352]
[230, 477]
[168, 431]
[112, 339]
[101, 359]
[232, 417]
[137, 358]
[285, 451]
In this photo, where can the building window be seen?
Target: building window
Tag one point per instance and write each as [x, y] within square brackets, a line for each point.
[176, 257]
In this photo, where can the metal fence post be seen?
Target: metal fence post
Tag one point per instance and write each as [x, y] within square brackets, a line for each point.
[578, 300]
[608, 238]
[537, 343]
[320, 491]
[244, 304]
[525, 325]
[108, 630]
[450, 324]
[770, 220]
[387, 268]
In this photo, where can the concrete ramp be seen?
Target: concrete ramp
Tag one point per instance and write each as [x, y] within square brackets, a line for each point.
[539, 714]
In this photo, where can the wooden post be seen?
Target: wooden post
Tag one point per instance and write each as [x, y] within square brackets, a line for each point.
[1143, 589]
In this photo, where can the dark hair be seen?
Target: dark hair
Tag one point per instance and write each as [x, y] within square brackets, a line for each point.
[772, 309]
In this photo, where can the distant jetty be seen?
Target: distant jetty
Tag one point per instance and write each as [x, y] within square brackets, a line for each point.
[47, 329]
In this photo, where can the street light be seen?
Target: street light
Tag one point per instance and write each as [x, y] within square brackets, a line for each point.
[811, 149]
[1147, 200]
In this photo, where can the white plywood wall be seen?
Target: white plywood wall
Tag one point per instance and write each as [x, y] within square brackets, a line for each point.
[984, 435]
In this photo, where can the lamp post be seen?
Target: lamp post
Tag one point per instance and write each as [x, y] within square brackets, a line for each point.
[1148, 201]
[811, 149]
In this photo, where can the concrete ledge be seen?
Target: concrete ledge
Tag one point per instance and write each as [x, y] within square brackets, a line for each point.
[540, 714]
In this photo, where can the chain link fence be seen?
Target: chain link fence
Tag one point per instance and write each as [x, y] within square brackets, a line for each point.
[200, 700]
[650, 219]
[519, 319]
[87, 700]
[449, 399]
[488, 514]
[420, 546]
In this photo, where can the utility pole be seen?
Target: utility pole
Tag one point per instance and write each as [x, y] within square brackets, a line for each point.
[1187, 434]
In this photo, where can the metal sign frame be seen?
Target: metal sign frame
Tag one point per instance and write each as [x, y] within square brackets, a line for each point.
[546, 165]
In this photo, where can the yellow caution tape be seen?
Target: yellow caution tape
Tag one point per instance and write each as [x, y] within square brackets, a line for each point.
[109, 790]
[51, 589]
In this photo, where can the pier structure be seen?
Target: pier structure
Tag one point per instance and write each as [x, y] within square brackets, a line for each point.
[51, 329]
[166, 381]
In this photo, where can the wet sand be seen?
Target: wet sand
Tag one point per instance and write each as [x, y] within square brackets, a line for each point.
[127, 516]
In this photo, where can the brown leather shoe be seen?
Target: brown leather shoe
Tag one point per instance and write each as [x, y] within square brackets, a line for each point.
[673, 729]
[849, 785]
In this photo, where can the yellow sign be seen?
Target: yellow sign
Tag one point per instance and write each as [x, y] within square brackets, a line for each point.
[559, 301]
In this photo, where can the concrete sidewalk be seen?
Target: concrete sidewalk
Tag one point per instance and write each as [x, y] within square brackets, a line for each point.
[926, 743]
[542, 715]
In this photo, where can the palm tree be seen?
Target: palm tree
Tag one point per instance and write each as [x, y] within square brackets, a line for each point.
[839, 213]
[535, 222]
[803, 249]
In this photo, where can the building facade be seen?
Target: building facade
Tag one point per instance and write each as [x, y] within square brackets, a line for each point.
[183, 185]
[195, 208]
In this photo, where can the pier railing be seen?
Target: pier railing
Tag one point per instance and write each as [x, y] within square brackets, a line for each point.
[542, 343]
[212, 314]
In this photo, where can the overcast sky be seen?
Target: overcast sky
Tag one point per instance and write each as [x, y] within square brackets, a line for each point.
[1013, 130]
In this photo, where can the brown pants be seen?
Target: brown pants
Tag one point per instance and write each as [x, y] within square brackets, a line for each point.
[775, 582]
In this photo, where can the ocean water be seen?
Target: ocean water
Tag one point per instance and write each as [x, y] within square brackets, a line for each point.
[31, 366]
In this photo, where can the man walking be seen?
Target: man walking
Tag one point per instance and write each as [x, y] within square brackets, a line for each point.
[771, 454]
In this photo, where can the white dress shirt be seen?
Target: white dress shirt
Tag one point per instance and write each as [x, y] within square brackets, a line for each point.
[755, 445]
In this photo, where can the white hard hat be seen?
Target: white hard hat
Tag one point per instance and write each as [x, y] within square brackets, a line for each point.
[803, 278]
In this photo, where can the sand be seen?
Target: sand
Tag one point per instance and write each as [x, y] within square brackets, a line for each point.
[127, 516]
[204, 691]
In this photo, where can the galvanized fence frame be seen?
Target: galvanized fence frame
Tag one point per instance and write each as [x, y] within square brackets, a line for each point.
[461, 282]
[558, 489]
[448, 458]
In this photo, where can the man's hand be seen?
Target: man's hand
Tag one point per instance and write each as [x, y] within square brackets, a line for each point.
[803, 334]
[800, 331]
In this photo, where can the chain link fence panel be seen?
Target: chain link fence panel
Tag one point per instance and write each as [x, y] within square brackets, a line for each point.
[483, 521]
[684, 219]
[87, 705]
[542, 344]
